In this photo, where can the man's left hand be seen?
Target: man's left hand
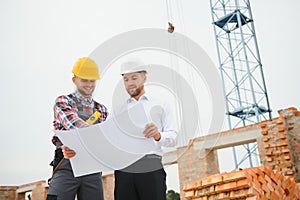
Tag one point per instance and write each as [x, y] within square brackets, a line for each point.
[152, 131]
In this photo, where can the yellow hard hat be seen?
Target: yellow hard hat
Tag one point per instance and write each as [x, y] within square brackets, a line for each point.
[86, 68]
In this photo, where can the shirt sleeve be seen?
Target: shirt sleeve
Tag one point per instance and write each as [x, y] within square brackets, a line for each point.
[169, 130]
[104, 112]
[66, 115]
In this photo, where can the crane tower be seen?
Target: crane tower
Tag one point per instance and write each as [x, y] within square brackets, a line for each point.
[244, 87]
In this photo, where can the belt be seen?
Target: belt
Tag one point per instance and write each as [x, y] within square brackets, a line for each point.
[148, 163]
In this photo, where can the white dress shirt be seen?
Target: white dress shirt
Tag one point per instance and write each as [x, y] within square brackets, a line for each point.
[159, 113]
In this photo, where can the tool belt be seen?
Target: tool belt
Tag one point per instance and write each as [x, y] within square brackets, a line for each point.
[58, 156]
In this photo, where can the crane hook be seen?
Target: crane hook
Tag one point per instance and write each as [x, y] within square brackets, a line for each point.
[171, 27]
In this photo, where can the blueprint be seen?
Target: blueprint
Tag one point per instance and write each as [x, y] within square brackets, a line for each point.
[114, 144]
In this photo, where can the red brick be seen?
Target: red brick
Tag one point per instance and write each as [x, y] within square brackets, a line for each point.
[252, 192]
[244, 183]
[298, 190]
[263, 125]
[215, 179]
[289, 173]
[239, 193]
[276, 195]
[281, 129]
[252, 198]
[269, 153]
[285, 150]
[282, 137]
[264, 197]
[223, 195]
[233, 176]
[192, 185]
[288, 157]
[269, 159]
[268, 179]
[189, 194]
[293, 109]
[270, 186]
[264, 132]
[225, 187]
[200, 192]
[211, 197]
[279, 121]
[256, 186]
[201, 198]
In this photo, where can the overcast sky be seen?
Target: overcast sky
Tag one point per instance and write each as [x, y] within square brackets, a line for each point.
[40, 41]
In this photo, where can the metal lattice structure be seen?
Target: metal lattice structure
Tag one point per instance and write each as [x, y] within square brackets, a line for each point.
[240, 65]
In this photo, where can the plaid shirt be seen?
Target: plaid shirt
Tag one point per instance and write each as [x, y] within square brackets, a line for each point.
[65, 112]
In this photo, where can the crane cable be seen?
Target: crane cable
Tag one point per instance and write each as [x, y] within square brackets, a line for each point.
[174, 65]
[170, 17]
[191, 75]
[174, 61]
[169, 13]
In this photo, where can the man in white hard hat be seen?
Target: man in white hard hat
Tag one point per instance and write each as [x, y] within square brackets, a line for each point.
[76, 110]
[146, 178]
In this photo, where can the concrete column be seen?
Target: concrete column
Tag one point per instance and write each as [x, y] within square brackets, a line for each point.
[279, 146]
[8, 192]
[292, 128]
[108, 186]
[195, 162]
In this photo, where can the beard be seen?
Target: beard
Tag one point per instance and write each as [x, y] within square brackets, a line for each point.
[136, 92]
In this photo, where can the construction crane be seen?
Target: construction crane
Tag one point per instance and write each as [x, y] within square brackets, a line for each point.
[240, 67]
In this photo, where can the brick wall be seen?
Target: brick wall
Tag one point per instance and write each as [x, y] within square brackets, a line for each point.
[253, 183]
[39, 191]
[292, 122]
[280, 144]
[195, 162]
[108, 186]
[279, 149]
[8, 192]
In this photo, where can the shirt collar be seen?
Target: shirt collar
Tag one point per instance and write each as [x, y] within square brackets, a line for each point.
[82, 98]
[143, 97]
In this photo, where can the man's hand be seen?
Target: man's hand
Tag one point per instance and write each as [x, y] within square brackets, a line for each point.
[68, 153]
[152, 131]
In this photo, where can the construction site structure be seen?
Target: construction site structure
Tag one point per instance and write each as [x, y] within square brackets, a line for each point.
[240, 66]
[278, 177]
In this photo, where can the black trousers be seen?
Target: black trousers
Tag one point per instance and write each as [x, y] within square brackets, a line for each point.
[140, 186]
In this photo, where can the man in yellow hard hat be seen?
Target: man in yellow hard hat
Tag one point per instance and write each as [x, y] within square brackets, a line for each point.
[76, 110]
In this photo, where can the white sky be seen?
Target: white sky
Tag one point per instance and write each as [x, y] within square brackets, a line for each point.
[40, 41]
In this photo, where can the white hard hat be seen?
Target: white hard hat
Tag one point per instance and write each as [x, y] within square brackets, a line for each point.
[131, 66]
